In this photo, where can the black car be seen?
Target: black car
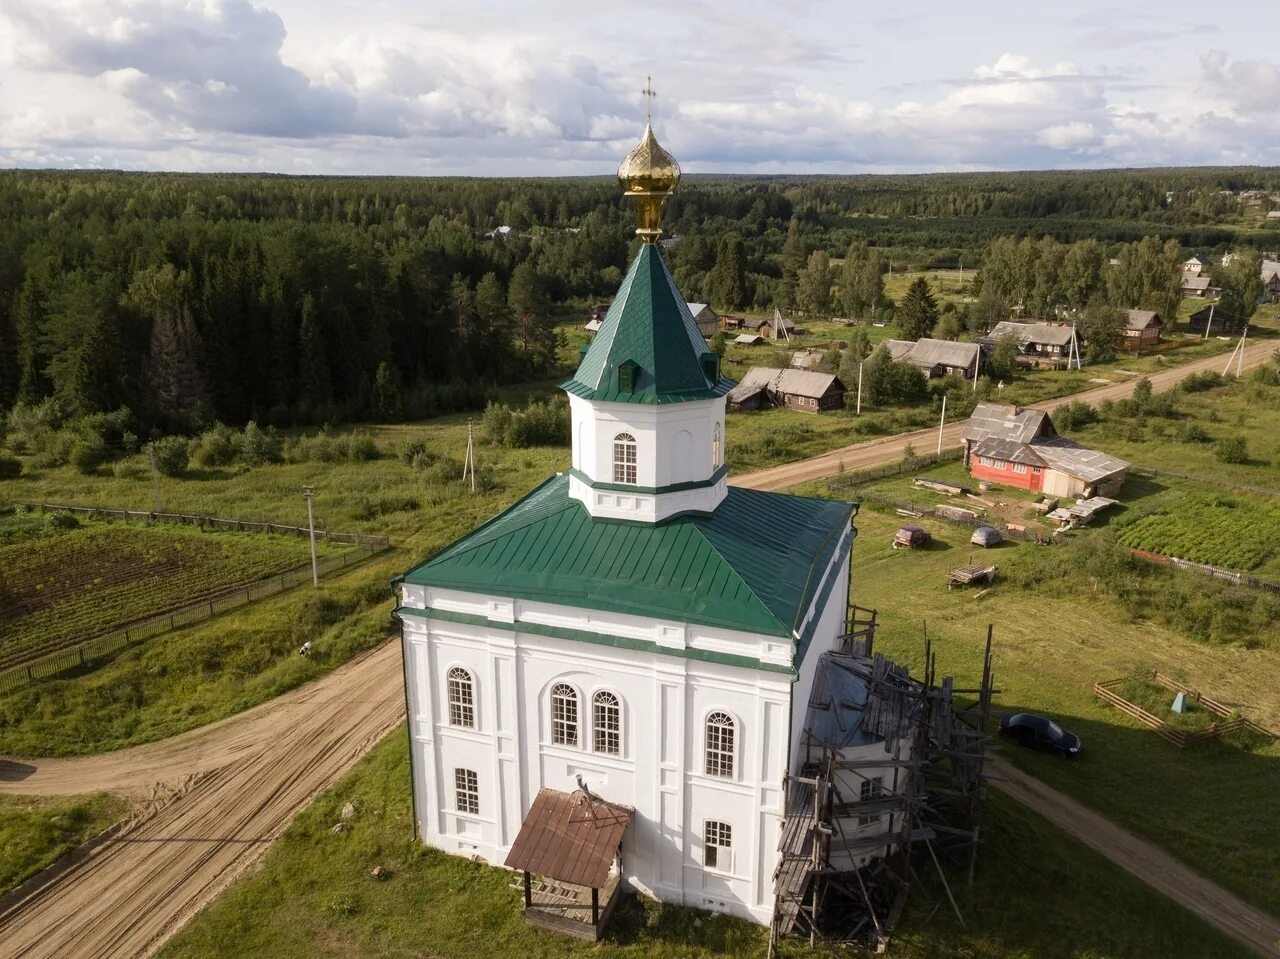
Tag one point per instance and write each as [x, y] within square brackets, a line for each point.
[1037, 732]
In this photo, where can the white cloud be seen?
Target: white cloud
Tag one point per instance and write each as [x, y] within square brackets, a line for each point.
[220, 84]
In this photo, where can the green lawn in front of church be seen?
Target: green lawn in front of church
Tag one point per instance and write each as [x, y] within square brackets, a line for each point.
[1036, 893]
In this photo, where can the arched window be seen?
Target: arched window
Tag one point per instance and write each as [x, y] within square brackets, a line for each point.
[720, 745]
[624, 458]
[717, 841]
[564, 715]
[462, 700]
[606, 723]
[466, 791]
[715, 447]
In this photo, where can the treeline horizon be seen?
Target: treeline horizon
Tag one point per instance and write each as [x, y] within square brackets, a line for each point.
[193, 298]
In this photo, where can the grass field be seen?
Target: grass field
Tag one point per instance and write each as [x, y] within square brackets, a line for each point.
[34, 833]
[1214, 806]
[1036, 893]
[66, 585]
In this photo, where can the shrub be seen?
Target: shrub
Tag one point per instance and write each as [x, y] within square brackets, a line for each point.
[495, 423]
[171, 454]
[1232, 449]
[216, 447]
[63, 521]
[1194, 433]
[540, 424]
[87, 454]
[413, 452]
[1074, 415]
[10, 467]
[259, 446]
[1199, 382]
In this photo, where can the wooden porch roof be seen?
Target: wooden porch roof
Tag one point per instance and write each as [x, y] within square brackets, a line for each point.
[571, 837]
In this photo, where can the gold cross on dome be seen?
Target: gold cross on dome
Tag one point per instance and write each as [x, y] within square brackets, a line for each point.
[648, 93]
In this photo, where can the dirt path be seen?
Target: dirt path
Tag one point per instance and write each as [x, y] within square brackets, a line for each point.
[245, 779]
[1249, 926]
[890, 449]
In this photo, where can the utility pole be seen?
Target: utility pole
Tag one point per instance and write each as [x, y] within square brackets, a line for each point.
[1237, 355]
[942, 422]
[309, 492]
[469, 464]
[1208, 326]
[858, 411]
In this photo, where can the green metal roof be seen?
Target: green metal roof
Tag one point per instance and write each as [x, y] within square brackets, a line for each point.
[755, 564]
[648, 325]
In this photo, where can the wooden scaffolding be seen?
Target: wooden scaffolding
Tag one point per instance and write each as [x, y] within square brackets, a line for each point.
[837, 885]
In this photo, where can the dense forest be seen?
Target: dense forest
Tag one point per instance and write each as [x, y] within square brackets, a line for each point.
[195, 298]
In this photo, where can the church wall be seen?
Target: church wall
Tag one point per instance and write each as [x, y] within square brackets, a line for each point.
[661, 770]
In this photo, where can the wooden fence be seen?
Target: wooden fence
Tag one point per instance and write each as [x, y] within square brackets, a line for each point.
[205, 522]
[1214, 572]
[29, 665]
[901, 468]
[1180, 738]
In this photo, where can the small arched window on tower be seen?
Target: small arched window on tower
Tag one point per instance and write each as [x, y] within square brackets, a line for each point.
[716, 456]
[720, 735]
[462, 701]
[564, 715]
[624, 458]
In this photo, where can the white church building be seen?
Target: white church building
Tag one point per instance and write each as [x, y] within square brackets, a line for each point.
[635, 626]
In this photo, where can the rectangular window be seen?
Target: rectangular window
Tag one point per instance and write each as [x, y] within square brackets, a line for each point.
[466, 791]
[870, 790]
[624, 462]
[1019, 467]
[716, 845]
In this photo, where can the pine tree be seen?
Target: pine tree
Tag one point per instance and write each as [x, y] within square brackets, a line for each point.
[536, 336]
[315, 387]
[386, 394]
[795, 252]
[727, 282]
[175, 358]
[918, 311]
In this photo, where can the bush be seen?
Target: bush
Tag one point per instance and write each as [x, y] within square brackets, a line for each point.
[326, 447]
[258, 446]
[10, 467]
[87, 454]
[495, 423]
[171, 455]
[1199, 382]
[1074, 415]
[216, 447]
[1194, 433]
[64, 521]
[1232, 449]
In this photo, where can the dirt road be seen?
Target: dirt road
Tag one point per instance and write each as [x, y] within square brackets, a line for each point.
[241, 781]
[1249, 926]
[890, 449]
[244, 780]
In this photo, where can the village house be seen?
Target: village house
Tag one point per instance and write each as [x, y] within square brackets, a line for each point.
[1271, 281]
[804, 390]
[1195, 285]
[1213, 321]
[1197, 266]
[1021, 448]
[607, 684]
[705, 319]
[1039, 344]
[1142, 330]
[771, 328]
[808, 359]
[937, 358]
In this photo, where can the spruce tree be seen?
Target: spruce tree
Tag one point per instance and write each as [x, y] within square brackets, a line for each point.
[727, 282]
[813, 289]
[918, 311]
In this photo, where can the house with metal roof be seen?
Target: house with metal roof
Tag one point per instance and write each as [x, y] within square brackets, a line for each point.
[937, 358]
[606, 683]
[1020, 447]
[805, 390]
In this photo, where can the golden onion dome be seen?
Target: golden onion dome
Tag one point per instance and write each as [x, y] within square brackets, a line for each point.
[648, 175]
[649, 168]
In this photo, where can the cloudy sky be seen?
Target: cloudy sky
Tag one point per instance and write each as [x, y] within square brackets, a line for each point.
[552, 87]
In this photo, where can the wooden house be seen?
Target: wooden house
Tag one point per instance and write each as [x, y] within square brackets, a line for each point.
[1213, 321]
[1197, 266]
[803, 390]
[937, 358]
[1142, 330]
[705, 318]
[1039, 344]
[1197, 286]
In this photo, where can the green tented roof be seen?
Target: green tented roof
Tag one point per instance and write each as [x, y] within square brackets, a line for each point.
[648, 325]
[755, 564]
